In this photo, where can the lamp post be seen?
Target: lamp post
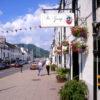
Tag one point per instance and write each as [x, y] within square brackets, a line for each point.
[81, 58]
[71, 70]
[65, 53]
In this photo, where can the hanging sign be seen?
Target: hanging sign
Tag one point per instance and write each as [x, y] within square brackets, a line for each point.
[57, 19]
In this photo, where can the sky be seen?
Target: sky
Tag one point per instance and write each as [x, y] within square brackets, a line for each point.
[20, 21]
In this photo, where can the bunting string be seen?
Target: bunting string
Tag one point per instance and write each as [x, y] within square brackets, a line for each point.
[19, 29]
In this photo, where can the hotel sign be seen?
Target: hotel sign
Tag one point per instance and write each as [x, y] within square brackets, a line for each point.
[57, 19]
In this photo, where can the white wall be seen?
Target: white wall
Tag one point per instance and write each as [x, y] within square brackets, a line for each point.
[98, 15]
[87, 73]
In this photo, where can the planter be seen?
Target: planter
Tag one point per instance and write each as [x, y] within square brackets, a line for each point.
[59, 47]
[59, 52]
[60, 79]
[65, 51]
[75, 47]
[55, 51]
[81, 50]
[65, 43]
[78, 47]
[78, 31]
[74, 90]
[53, 67]
[62, 74]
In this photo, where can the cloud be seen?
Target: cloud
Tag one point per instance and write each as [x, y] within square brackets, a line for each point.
[48, 6]
[42, 37]
[27, 39]
[1, 13]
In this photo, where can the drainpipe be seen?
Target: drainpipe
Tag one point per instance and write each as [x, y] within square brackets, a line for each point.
[62, 6]
[64, 35]
[75, 11]
[94, 48]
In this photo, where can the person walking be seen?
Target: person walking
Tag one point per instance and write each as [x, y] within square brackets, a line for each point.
[39, 67]
[48, 66]
[21, 66]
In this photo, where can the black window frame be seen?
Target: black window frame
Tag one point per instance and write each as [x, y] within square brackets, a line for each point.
[98, 3]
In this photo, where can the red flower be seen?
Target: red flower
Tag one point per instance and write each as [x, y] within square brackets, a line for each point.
[79, 31]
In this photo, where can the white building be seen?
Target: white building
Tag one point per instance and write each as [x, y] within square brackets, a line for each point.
[12, 52]
[84, 65]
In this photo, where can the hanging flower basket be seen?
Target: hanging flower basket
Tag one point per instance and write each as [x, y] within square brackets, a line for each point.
[65, 52]
[78, 47]
[74, 47]
[55, 51]
[65, 43]
[82, 48]
[59, 47]
[65, 49]
[59, 52]
[78, 31]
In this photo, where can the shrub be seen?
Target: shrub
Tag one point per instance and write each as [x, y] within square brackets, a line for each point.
[61, 74]
[74, 90]
[53, 67]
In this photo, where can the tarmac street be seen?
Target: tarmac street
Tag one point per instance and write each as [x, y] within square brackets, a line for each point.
[29, 86]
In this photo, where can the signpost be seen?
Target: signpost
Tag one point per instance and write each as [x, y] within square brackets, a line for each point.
[57, 19]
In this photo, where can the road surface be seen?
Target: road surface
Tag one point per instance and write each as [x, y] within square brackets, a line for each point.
[10, 71]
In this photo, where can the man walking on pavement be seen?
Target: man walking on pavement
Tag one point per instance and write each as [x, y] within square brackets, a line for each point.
[21, 66]
[39, 67]
[48, 66]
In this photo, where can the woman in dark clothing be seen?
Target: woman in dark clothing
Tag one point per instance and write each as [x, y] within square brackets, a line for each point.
[48, 66]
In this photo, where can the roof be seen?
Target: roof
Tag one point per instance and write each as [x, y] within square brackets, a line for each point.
[10, 45]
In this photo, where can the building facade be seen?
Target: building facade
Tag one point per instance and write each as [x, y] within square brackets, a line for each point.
[12, 52]
[83, 65]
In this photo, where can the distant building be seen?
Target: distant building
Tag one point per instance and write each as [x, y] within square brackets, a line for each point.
[12, 52]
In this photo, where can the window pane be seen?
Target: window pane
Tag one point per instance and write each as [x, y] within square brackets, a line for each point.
[98, 3]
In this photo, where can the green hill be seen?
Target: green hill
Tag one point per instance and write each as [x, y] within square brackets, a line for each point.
[37, 52]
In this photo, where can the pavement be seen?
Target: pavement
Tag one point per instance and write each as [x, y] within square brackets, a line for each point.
[29, 86]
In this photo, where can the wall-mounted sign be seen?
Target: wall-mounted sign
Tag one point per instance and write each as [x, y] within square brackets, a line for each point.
[57, 19]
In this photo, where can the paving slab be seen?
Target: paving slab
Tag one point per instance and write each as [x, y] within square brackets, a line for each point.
[29, 86]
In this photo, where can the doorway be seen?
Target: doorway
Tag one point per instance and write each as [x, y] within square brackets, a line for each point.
[75, 59]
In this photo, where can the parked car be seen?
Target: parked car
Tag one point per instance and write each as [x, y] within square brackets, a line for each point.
[2, 66]
[34, 66]
[18, 65]
[12, 64]
[21, 62]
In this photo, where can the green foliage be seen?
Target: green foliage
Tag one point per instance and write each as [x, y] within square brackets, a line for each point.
[53, 67]
[74, 90]
[37, 52]
[61, 72]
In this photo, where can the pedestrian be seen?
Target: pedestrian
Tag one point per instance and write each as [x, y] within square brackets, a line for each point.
[48, 66]
[39, 67]
[21, 66]
[43, 63]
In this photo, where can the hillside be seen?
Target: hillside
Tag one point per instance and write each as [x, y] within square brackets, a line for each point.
[37, 52]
